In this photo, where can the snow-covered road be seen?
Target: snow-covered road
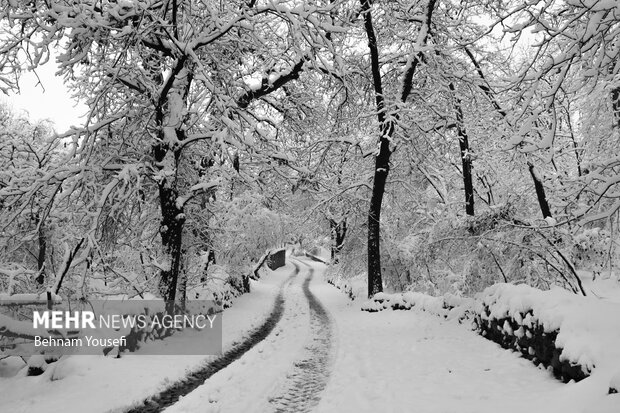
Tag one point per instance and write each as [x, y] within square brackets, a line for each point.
[284, 373]
[392, 361]
[322, 354]
[102, 384]
[310, 373]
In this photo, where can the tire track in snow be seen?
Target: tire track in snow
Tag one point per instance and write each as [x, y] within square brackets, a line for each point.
[310, 374]
[173, 393]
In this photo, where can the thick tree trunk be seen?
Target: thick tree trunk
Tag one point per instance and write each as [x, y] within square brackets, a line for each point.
[169, 116]
[382, 162]
[171, 227]
[467, 167]
[181, 294]
[386, 127]
[375, 283]
[171, 232]
[540, 192]
[465, 156]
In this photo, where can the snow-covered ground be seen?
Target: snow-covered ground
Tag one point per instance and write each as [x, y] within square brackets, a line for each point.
[390, 361]
[398, 361]
[99, 384]
[249, 384]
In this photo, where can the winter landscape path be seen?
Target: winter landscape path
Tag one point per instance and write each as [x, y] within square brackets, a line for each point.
[173, 393]
[297, 344]
[284, 373]
[310, 374]
[328, 356]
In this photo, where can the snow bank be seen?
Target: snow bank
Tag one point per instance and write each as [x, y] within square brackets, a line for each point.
[572, 336]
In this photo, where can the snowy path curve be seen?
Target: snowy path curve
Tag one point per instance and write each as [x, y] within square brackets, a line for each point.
[173, 393]
[286, 372]
[310, 374]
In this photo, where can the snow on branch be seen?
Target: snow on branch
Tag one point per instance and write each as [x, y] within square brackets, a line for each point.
[273, 84]
[199, 188]
[415, 57]
[67, 261]
[88, 129]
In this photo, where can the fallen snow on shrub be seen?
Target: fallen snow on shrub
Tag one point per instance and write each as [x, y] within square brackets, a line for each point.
[449, 306]
[220, 286]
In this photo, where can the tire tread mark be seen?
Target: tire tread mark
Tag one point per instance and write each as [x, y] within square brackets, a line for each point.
[311, 373]
[171, 394]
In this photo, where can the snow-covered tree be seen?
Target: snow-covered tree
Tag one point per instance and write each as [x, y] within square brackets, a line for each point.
[165, 81]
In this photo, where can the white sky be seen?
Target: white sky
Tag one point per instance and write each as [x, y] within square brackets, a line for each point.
[48, 100]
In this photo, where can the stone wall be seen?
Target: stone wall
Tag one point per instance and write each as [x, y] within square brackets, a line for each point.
[276, 259]
[530, 339]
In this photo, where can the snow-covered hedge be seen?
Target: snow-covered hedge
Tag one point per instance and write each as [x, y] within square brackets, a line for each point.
[449, 306]
[571, 335]
[29, 299]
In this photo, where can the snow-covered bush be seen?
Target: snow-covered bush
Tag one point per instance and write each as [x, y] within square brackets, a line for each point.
[36, 365]
[464, 256]
[349, 273]
[218, 285]
[594, 249]
[353, 286]
[449, 306]
[247, 229]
